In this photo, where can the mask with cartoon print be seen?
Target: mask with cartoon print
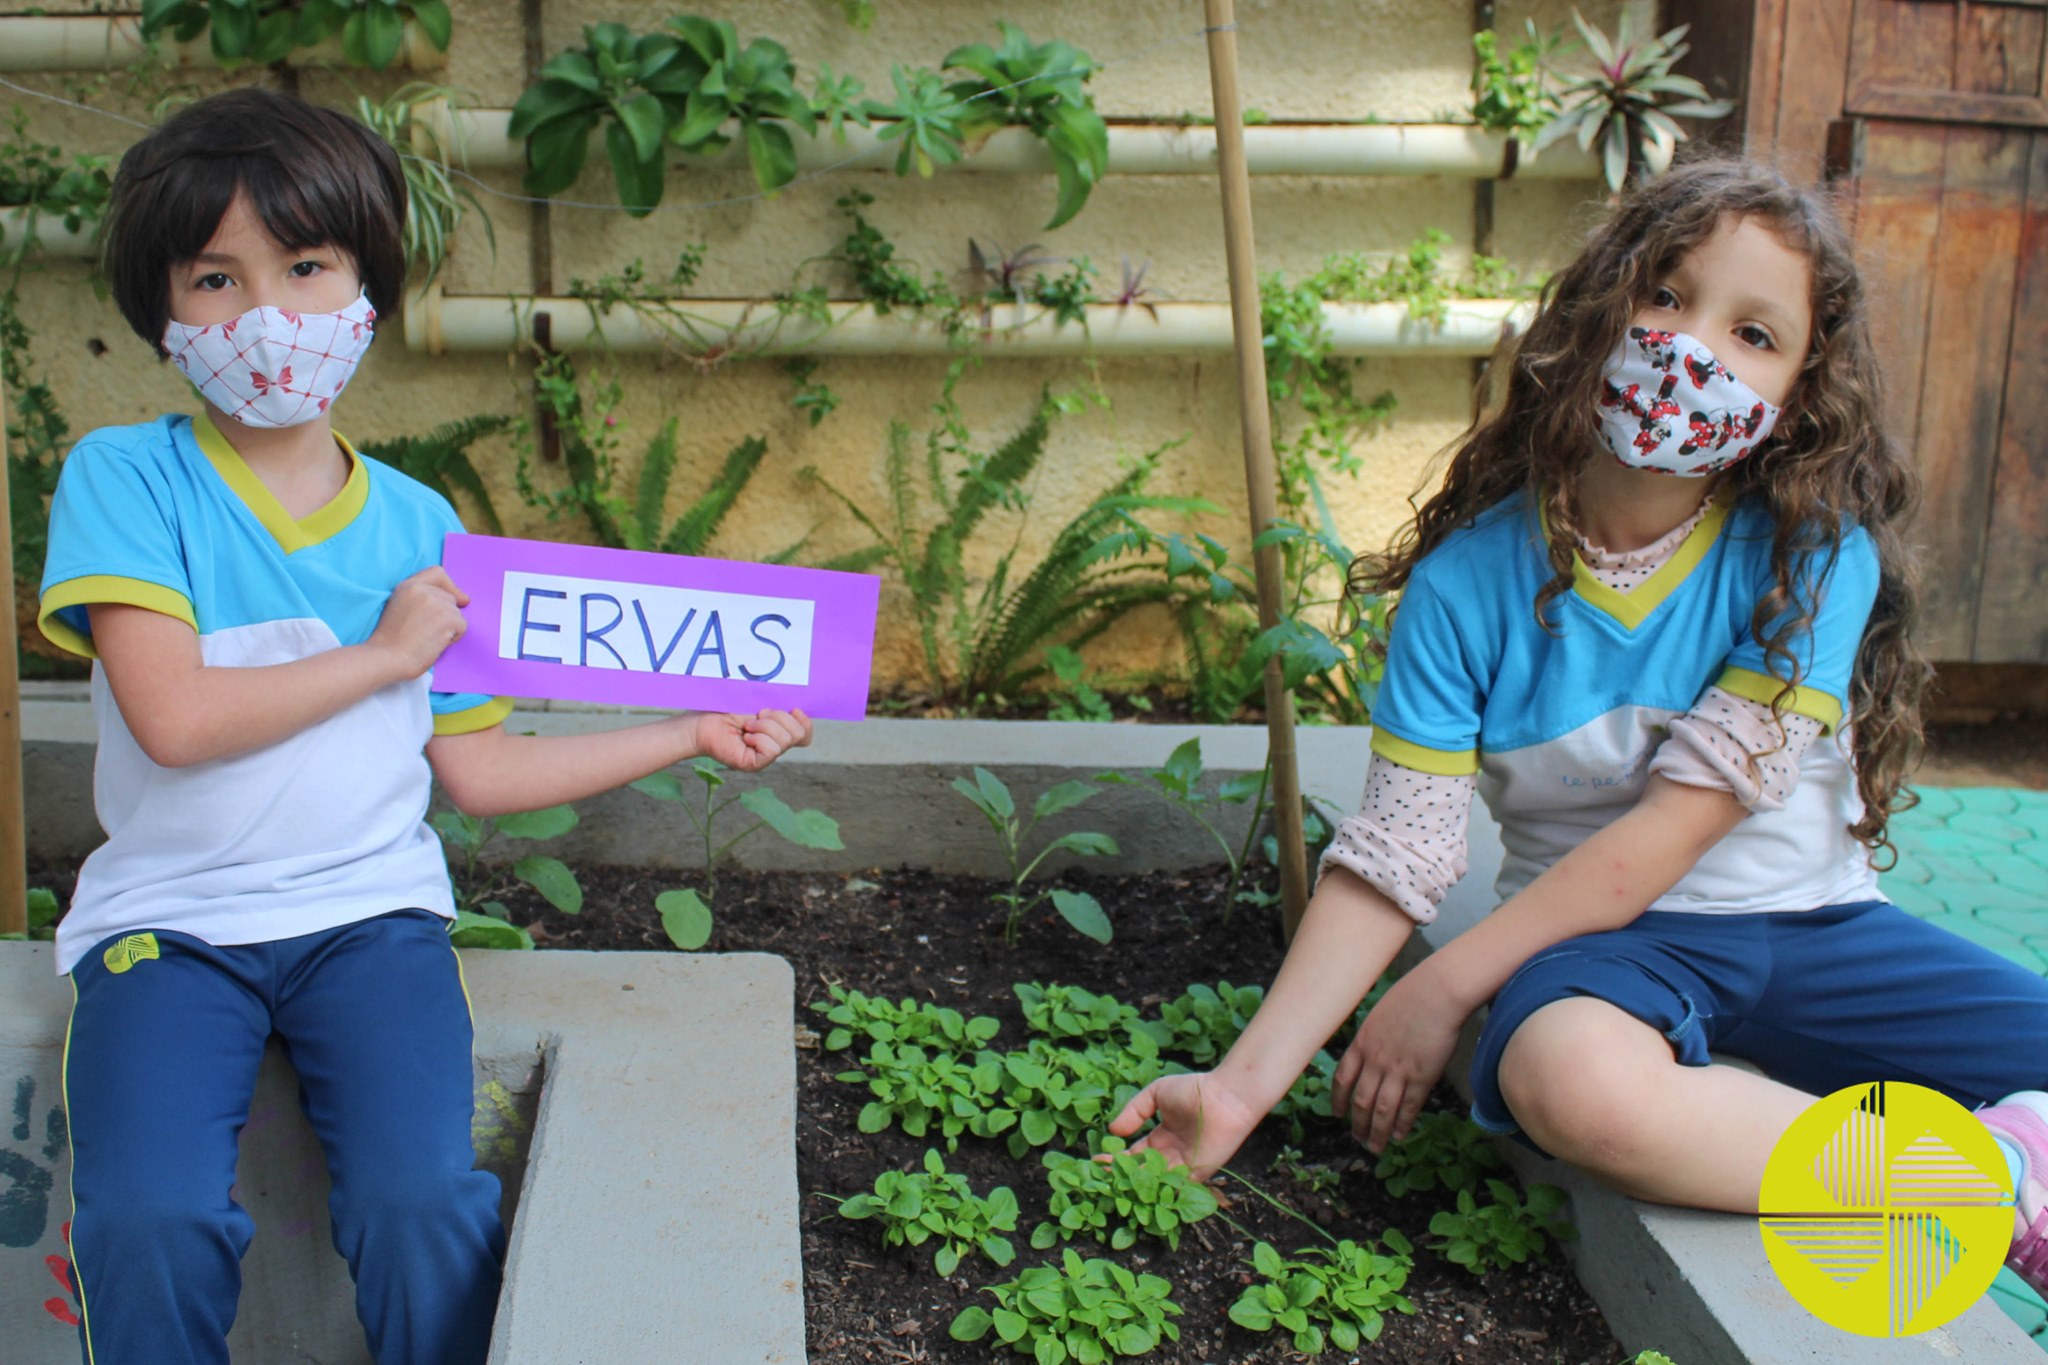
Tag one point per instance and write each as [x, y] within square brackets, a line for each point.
[271, 367]
[1667, 405]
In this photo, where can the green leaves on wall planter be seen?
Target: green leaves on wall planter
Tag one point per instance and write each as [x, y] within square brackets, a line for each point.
[696, 87]
[264, 31]
[651, 91]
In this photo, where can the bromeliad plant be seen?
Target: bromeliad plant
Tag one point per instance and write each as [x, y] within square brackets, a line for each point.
[938, 1205]
[686, 913]
[264, 31]
[1507, 1231]
[1328, 1296]
[1085, 1311]
[481, 919]
[1442, 1150]
[1630, 101]
[991, 796]
[1118, 1200]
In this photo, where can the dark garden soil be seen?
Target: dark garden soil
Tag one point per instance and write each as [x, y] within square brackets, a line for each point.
[938, 938]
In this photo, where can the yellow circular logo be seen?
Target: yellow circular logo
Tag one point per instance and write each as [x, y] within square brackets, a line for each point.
[1886, 1209]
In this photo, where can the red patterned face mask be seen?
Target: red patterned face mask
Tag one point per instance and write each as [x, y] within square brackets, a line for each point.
[272, 368]
[1669, 406]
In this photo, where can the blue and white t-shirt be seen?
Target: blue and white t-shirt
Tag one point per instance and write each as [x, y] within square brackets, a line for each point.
[1560, 727]
[321, 829]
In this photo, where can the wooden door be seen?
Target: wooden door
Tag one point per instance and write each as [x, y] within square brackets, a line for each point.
[1932, 118]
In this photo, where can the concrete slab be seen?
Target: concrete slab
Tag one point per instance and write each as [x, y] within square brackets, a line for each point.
[876, 778]
[639, 1108]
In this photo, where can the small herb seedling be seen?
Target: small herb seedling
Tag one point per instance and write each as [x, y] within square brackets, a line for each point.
[1083, 1311]
[854, 1015]
[1204, 1022]
[1314, 1177]
[42, 915]
[917, 1207]
[1327, 1296]
[1447, 1150]
[1180, 781]
[481, 919]
[933, 1089]
[1060, 1092]
[1069, 1012]
[991, 796]
[686, 913]
[1116, 1200]
[1505, 1232]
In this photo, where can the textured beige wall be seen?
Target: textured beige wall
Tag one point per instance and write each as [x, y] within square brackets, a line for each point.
[1301, 59]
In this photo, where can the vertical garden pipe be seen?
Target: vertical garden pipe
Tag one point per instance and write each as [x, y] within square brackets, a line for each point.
[13, 833]
[1256, 418]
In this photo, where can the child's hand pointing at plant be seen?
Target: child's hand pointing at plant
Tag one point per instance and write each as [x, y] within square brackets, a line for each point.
[1202, 1121]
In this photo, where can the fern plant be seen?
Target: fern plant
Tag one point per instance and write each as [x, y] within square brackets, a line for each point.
[985, 639]
[440, 460]
[590, 457]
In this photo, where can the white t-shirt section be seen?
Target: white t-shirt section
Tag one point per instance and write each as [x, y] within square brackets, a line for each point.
[253, 848]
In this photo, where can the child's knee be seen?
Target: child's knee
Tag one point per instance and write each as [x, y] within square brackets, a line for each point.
[1576, 1077]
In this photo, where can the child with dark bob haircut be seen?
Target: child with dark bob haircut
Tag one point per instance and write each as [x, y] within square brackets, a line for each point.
[263, 608]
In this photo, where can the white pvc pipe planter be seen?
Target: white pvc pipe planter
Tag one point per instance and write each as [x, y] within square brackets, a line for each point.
[52, 236]
[1406, 149]
[436, 324]
[105, 42]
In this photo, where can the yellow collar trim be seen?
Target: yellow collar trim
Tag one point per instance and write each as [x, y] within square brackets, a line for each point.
[321, 524]
[1633, 608]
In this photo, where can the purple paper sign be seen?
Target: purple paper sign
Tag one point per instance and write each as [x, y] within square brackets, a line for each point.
[632, 628]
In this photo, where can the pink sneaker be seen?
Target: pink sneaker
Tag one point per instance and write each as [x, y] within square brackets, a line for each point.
[2022, 1120]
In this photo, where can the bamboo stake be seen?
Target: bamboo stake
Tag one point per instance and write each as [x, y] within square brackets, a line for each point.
[13, 839]
[1259, 475]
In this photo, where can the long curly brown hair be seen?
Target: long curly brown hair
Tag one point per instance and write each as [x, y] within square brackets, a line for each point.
[1828, 464]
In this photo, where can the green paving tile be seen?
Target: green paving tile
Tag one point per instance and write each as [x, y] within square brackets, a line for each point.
[2030, 922]
[1992, 827]
[2003, 897]
[1936, 803]
[1988, 800]
[2021, 1304]
[1951, 867]
[1914, 900]
[1996, 939]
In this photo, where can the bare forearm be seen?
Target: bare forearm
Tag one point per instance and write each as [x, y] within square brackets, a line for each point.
[1347, 937]
[1603, 884]
[208, 713]
[494, 773]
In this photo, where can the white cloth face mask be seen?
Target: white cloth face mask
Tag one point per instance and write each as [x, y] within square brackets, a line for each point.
[271, 367]
[1669, 406]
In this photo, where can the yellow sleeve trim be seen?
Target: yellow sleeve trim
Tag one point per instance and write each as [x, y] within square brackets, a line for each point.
[95, 589]
[469, 721]
[1442, 762]
[1763, 689]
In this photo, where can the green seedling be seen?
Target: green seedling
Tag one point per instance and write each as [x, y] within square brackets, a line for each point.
[938, 1205]
[481, 919]
[1508, 1231]
[686, 913]
[1083, 1311]
[1446, 1150]
[991, 796]
[1116, 1201]
[1335, 1296]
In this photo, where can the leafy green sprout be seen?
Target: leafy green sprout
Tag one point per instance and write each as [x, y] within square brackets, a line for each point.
[1118, 1200]
[1083, 1311]
[481, 919]
[854, 1016]
[1511, 91]
[991, 796]
[1063, 1092]
[1071, 1012]
[1180, 782]
[1336, 1296]
[43, 910]
[265, 31]
[1312, 1176]
[1077, 698]
[685, 912]
[1442, 1150]
[1508, 1230]
[914, 1208]
[933, 1089]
